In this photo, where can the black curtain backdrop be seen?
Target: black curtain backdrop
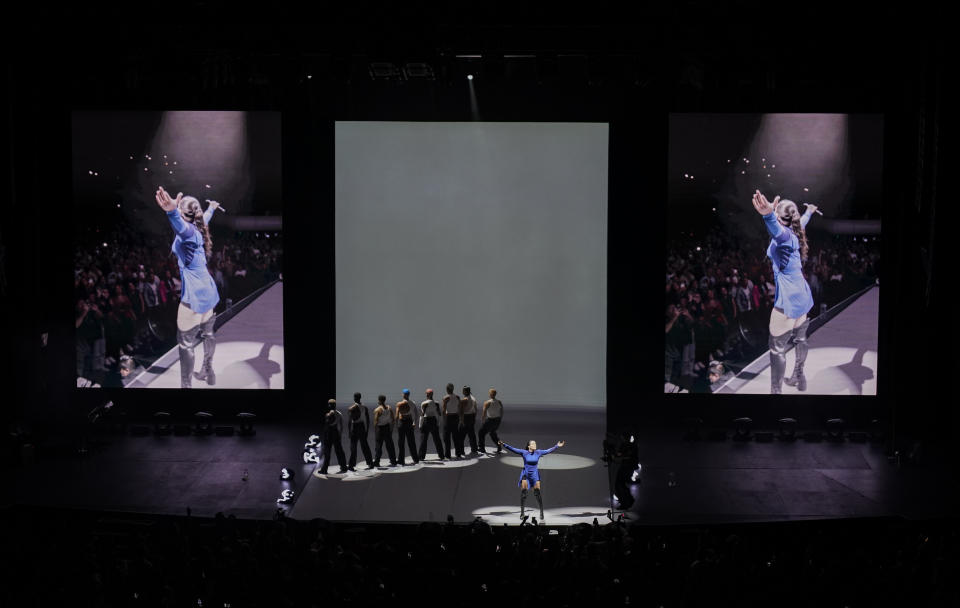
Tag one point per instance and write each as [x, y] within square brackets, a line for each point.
[631, 75]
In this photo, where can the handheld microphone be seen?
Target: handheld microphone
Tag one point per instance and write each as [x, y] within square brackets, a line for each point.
[219, 208]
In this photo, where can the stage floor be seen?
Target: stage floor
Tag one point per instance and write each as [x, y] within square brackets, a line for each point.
[249, 350]
[573, 479]
[715, 481]
[842, 359]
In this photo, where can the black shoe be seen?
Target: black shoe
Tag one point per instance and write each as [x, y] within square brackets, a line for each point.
[343, 470]
[370, 466]
[352, 469]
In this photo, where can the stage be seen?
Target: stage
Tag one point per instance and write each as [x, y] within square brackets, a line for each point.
[573, 479]
[842, 359]
[249, 350]
[680, 481]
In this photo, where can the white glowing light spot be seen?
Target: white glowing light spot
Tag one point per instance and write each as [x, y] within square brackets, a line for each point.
[806, 189]
[207, 185]
[90, 172]
[743, 173]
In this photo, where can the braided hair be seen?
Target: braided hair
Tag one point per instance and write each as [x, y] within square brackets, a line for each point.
[192, 212]
[789, 214]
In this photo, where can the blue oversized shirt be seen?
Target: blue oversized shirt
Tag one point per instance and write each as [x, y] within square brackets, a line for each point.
[793, 293]
[198, 290]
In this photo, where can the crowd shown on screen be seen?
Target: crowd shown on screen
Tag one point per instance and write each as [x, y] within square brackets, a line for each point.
[59, 558]
[720, 290]
[127, 289]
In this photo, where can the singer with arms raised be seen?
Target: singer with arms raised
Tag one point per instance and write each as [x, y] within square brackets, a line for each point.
[198, 293]
[787, 251]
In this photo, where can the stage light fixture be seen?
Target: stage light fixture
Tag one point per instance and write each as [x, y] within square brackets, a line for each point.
[384, 70]
[285, 497]
[418, 70]
[469, 76]
[286, 474]
[636, 473]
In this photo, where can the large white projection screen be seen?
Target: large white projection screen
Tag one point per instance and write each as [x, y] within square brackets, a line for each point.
[472, 253]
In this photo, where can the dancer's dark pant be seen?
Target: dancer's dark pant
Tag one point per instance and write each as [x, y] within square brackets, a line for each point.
[358, 434]
[384, 435]
[451, 435]
[431, 426]
[331, 440]
[405, 438]
[490, 427]
[469, 431]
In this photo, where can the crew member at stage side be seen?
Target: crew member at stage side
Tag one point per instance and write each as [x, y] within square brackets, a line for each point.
[530, 475]
[332, 430]
[490, 420]
[451, 423]
[787, 251]
[405, 425]
[359, 422]
[383, 427]
[468, 421]
[430, 425]
[198, 292]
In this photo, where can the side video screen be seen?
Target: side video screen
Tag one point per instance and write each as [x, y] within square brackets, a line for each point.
[178, 249]
[773, 254]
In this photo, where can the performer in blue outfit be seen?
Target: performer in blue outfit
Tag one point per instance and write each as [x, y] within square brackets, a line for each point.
[787, 252]
[195, 316]
[530, 475]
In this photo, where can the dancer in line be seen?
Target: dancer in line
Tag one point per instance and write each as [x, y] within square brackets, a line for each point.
[787, 251]
[490, 420]
[530, 475]
[451, 422]
[430, 425]
[405, 425]
[359, 417]
[383, 423]
[332, 431]
[468, 421]
[198, 297]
